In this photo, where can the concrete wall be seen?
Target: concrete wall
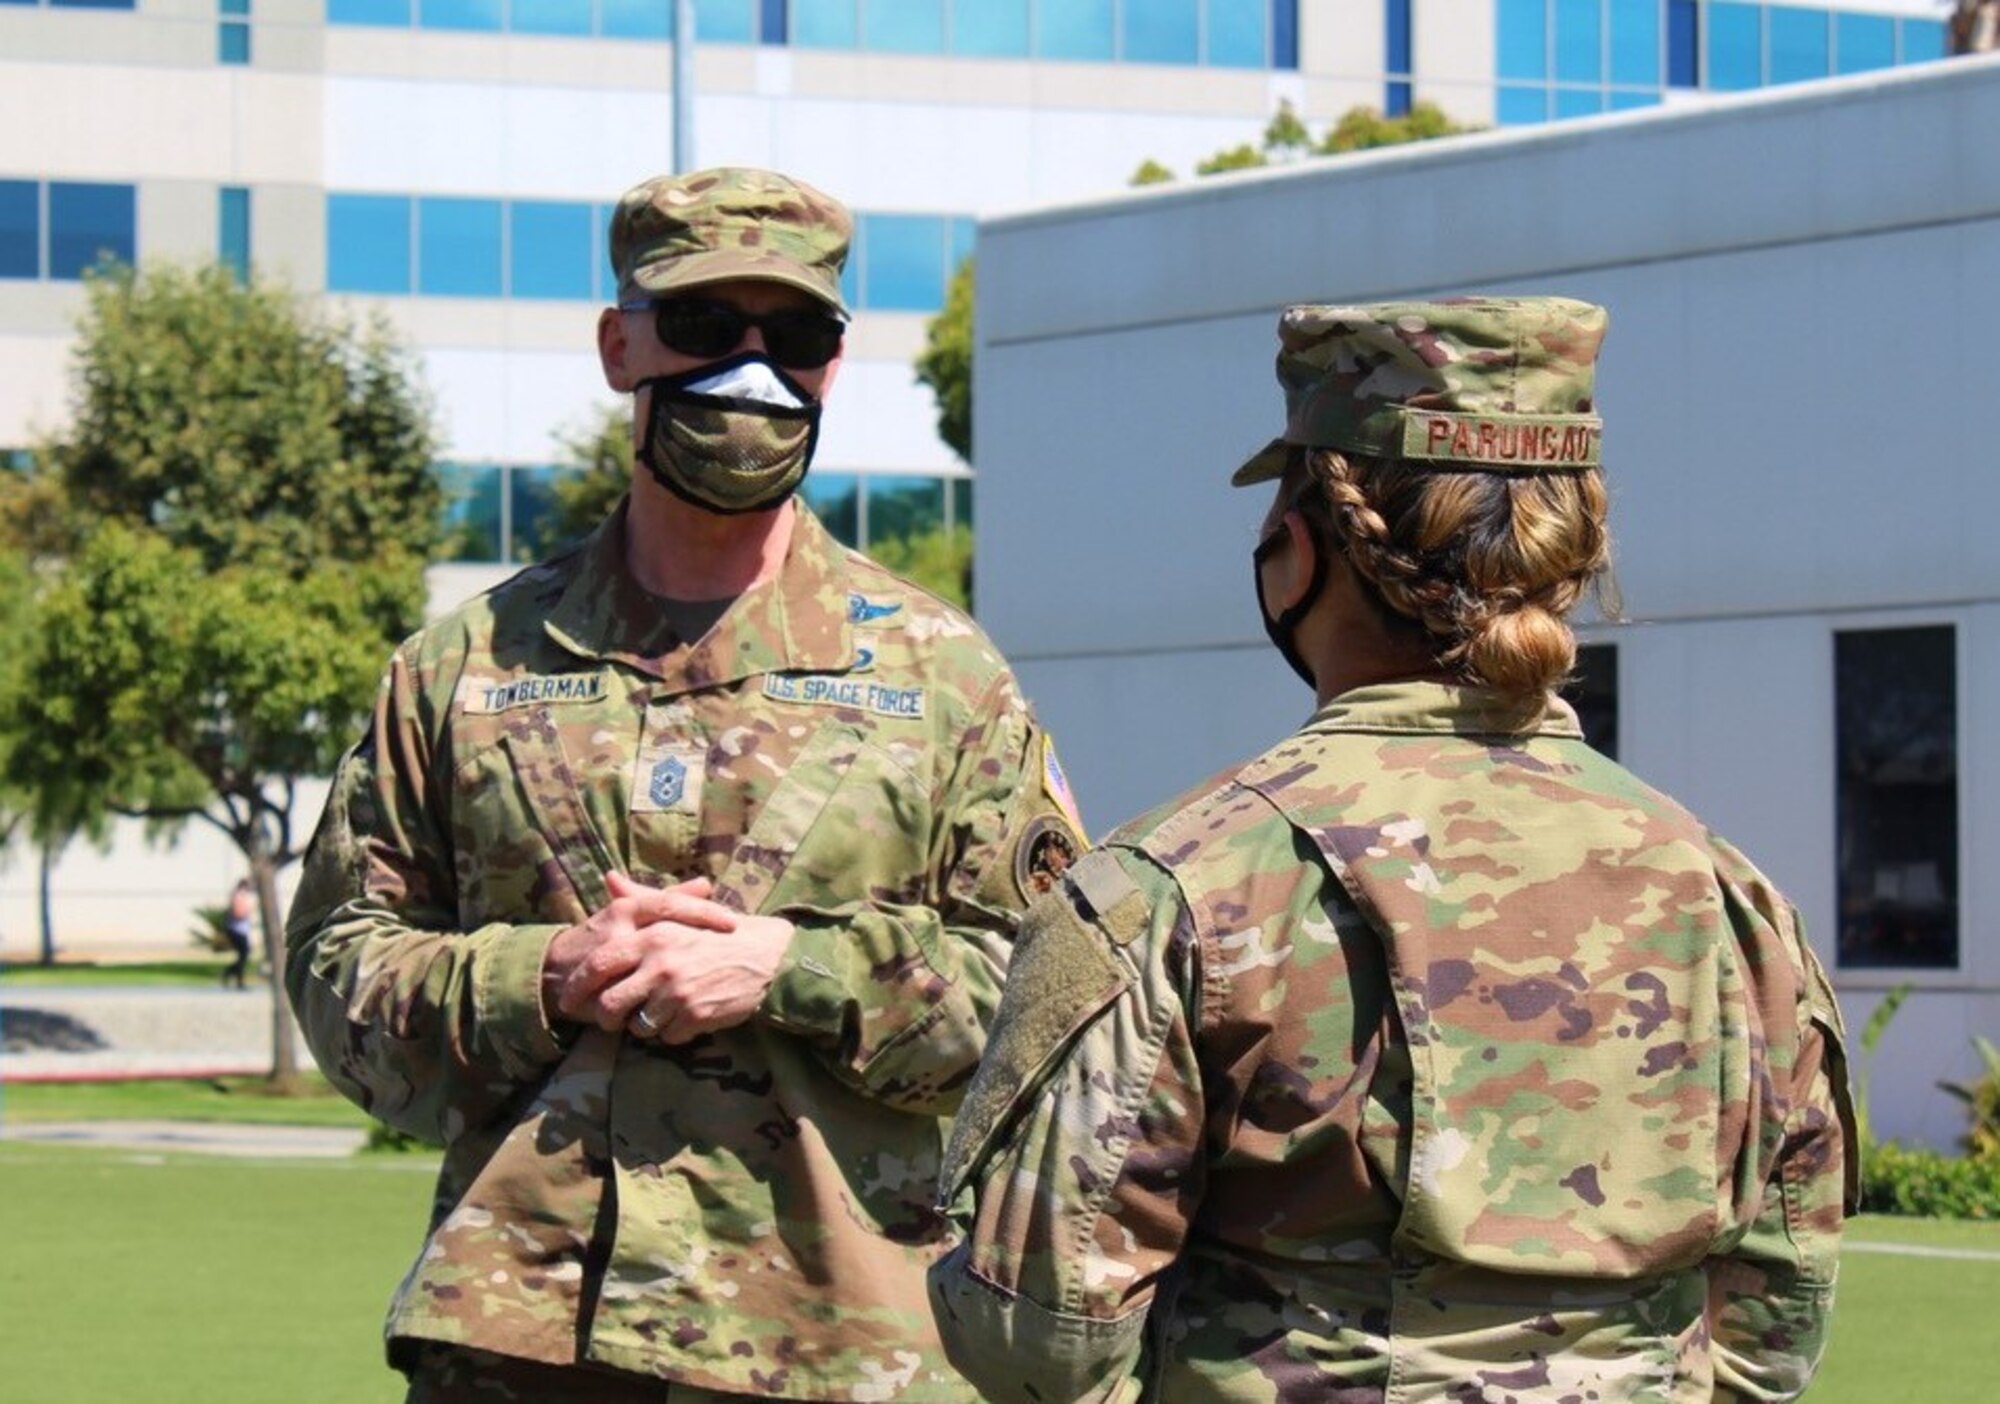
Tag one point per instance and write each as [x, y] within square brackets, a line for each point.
[1799, 439]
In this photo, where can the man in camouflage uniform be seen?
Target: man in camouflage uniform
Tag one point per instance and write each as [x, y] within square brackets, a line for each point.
[673, 885]
[1429, 1055]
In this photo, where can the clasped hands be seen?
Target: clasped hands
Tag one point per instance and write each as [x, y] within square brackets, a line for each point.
[663, 962]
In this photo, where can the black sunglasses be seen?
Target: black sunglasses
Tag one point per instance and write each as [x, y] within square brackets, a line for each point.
[696, 327]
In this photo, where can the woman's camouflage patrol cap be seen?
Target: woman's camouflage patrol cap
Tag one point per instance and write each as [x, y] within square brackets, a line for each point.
[1466, 385]
[678, 232]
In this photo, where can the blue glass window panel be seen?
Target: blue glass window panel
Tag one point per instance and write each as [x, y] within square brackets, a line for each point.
[964, 231]
[480, 15]
[1396, 97]
[368, 243]
[1578, 102]
[394, 13]
[92, 4]
[1863, 42]
[1579, 41]
[531, 499]
[1236, 33]
[1735, 46]
[1523, 39]
[725, 22]
[851, 290]
[1635, 43]
[902, 507]
[600, 238]
[20, 229]
[825, 24]
[1626, 101]
[773, 26]
[904, 26]
[990, 28]
[86, 222]
[1396, 23]
[471, 510]
[1923, 40]
[1076, 29]
[1801, 44]
[232, 43]
[549, 250]
[1520, 107]
[1683, 44]
[835, 499]
[234, 9]
[906, 269]
[1285, 34]
[549, 16]
[458, 247]
[1162, 31]
[232, 244]
[636, 19]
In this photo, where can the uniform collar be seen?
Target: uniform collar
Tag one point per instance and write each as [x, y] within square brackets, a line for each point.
[1444, 708]
[796, 621]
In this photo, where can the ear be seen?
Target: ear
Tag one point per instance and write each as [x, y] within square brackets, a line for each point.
[1298, 563]
[611, 349]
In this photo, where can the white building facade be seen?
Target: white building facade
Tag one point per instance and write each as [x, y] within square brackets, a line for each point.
[1799, 439]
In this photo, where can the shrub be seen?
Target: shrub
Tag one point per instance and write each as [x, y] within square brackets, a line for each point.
[1982, 1101]
[1898, 1179]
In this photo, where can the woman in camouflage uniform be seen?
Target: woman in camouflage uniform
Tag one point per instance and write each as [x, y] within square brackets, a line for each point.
[1429, 1055]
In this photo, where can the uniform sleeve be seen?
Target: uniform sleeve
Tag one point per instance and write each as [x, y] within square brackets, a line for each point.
[1082, 1135]
[427, 1028]
[898, 995]
[1771, 1298]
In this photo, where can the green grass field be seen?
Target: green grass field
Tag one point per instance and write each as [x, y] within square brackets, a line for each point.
[196, 970]
[234, 1099]
[177, 1278]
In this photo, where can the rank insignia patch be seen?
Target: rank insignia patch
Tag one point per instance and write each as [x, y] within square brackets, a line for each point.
[668, 781]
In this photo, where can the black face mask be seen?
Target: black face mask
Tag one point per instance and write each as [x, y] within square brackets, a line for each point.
[1285, 628]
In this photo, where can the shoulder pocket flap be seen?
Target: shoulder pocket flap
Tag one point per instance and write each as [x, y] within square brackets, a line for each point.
[1062, 976]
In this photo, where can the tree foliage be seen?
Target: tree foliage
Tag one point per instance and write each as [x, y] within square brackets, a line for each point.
[599, 454]
[1287, 138]
[945, 364]
[235, 532]
[940, 560]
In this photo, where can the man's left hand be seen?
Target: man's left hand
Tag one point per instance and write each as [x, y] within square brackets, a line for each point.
[702, 983]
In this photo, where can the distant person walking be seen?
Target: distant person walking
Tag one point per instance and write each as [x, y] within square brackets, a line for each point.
[236, 926]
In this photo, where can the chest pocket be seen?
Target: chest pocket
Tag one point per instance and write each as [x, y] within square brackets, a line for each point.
[526, 835]
[846, 822]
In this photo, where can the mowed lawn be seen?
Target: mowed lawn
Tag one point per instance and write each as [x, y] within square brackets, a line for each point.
[183, 1278]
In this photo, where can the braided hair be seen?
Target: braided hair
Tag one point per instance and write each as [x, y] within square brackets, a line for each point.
[1488, 565]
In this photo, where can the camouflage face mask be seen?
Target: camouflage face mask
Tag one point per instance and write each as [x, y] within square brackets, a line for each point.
[735, 436]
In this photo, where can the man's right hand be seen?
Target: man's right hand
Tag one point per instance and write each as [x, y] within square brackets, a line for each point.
[598, 952]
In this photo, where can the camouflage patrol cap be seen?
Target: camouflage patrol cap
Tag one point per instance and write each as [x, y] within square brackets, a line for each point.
[677, 232]
[1477, 384]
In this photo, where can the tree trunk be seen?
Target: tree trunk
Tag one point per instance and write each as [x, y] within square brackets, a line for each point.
[49, 853]
[264, 877]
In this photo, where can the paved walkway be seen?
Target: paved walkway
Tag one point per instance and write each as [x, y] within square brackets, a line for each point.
[201, 1138]
[92, 1033]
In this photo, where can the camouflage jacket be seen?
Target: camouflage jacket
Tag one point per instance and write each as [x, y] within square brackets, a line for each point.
[749, 1212]
[1418, 1059]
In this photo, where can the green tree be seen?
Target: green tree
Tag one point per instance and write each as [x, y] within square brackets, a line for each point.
[598, 454]
[940, 560]
[1363, 128]
[250, 504]
[1236, 158]
[945, 364]
[1151, 172]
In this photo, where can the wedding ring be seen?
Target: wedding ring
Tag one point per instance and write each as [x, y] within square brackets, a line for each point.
[643, 1025]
